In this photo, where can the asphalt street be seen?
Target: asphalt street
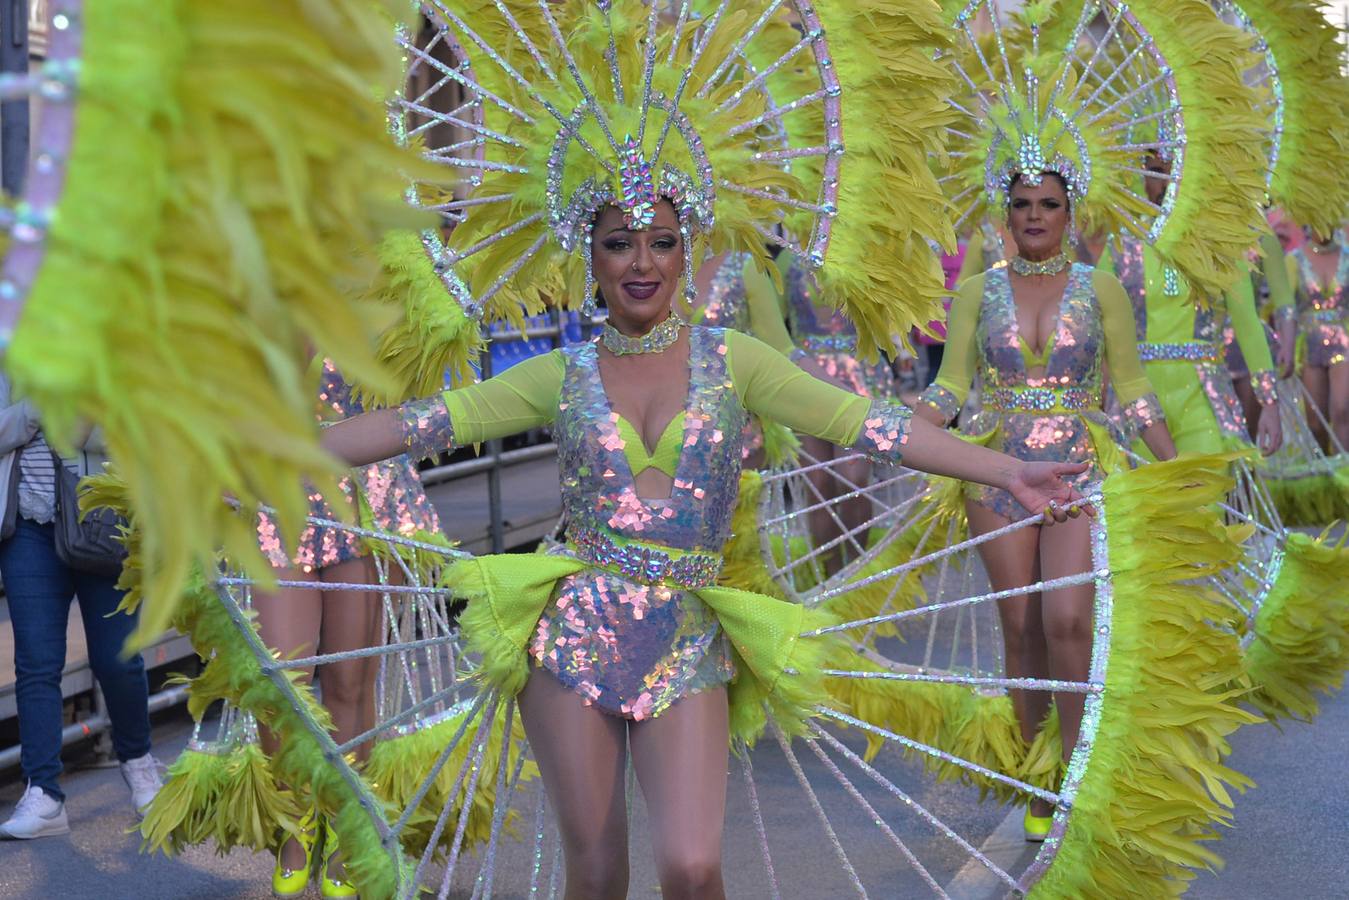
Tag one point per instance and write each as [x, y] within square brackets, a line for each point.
[1290, 839]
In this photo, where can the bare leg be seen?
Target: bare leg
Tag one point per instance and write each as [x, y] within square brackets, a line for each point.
[581, 754]
[1013, 561]
[350, 620]
[681, 760]
[1317, 381]
[1250, 406]
[1065, 550]
[289, 621]
[1339, 402]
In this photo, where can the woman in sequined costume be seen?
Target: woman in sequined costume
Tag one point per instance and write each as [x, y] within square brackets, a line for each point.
[826, 343]
[1320, 271]
[1181, 344]
[1040, 340]
[632, 645]
[301, 622]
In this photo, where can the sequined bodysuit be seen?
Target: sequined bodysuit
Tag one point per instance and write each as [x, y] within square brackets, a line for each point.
[827, 337]
[390, 492]
[1054, 416]
[630, 631]
[1322, 309]
[1181, 344]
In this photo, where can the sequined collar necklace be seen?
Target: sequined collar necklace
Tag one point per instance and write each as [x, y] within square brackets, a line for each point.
[1323, 249]
[654, 341]
[1052, 266]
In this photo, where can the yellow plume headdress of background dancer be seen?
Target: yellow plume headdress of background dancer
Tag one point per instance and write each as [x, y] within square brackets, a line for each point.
[1087, 88]
[757, 125]
[1305, 101]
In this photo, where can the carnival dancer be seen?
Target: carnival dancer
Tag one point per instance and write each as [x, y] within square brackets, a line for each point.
[1041, 330]
[621, 639]
[1320, 268]
[1292, 627]
[301, 622]
[646, 418]
[1180, 342]
[1054, 154]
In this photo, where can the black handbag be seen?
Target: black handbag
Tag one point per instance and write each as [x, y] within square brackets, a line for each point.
[11, 519]
[91, 543]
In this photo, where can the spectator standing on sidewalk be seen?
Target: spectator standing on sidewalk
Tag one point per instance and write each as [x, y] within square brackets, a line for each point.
[39, 587]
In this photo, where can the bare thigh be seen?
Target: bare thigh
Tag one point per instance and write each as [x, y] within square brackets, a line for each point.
[1338, 400]
[350, 622]
[289, 621]
[681, 759]
[1012, 561]
[1317, 381]
[1065, 549]
[581, 754]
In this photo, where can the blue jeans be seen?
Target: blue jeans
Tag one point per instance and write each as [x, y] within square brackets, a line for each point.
[39, 587]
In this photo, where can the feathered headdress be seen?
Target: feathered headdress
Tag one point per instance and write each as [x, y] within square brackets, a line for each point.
[758, 125]
[1087, 89]
[1305, 101]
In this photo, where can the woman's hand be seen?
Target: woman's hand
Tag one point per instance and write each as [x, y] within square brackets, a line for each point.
[1269, 430]
[1041, 488]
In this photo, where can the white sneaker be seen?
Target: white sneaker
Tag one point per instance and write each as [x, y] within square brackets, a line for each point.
[38, 815]
[142, 776]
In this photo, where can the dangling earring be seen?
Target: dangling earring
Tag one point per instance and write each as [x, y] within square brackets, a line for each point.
[690, 289]
[588, 303]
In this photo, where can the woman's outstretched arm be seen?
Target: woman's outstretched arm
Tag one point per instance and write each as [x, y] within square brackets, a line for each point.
[523, 397]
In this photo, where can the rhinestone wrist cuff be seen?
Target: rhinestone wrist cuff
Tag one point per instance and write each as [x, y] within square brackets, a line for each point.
[942, 400]
[1264, 384]
[1144, 412]
[427, 429]
[885, 431]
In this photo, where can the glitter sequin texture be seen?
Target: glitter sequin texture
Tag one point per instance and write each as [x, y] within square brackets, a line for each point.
[390, 495]
[828, 338]
[427, 429]
[1072, 376]
[617, 634]
[1181, 351]
[1321, 311]
[1264, 386]
[884, 432]
[942, 400]
[726, 304]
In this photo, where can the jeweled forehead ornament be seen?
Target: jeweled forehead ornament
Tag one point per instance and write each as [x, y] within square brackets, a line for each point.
[1030, 163]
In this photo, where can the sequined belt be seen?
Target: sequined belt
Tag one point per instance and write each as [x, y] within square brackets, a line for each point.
[1181, 351]
[646, 563]
[829, 343]
[1041, 399]
[1324, 316]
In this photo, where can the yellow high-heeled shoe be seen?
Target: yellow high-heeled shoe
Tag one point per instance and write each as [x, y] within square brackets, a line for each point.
[287, 883]
[1036, 827]
[330, 887]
